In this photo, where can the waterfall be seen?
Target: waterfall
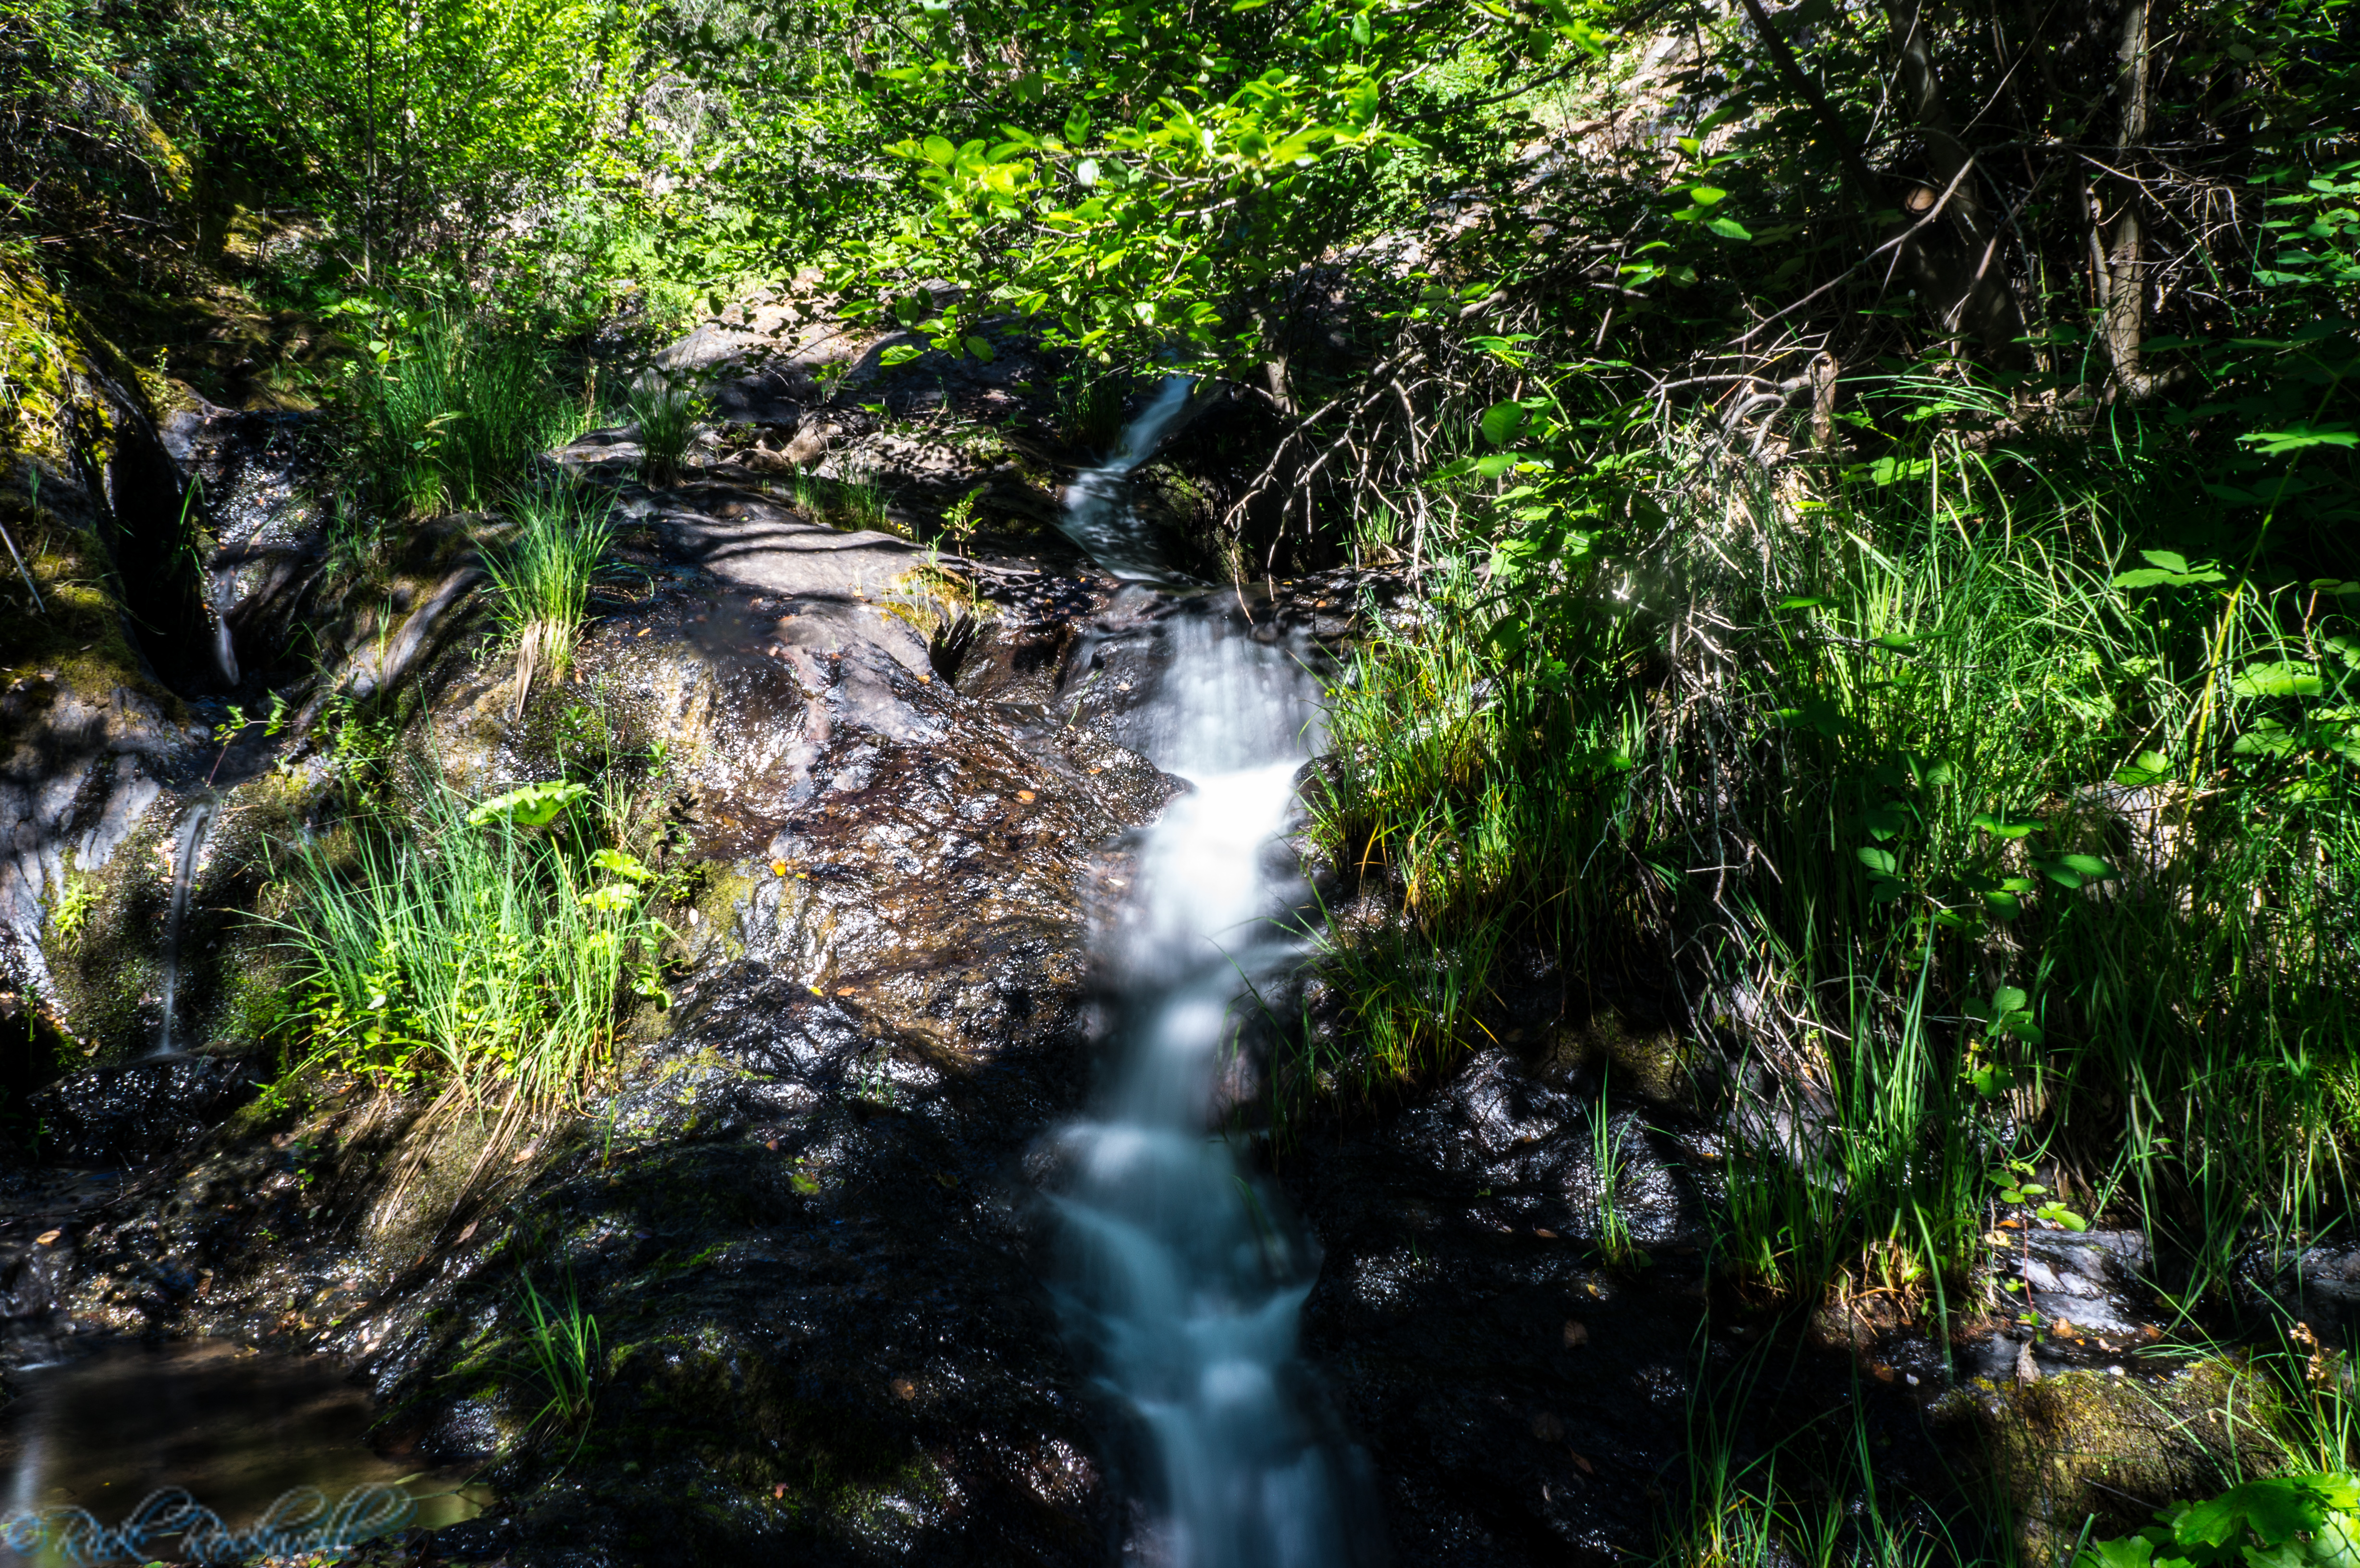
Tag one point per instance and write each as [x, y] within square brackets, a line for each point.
[225, 599]
[188, 843]
[1182, 1275]
[1097, 510]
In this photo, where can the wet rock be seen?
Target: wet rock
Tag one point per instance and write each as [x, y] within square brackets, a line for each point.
[123, 1116]
[799, 1216]
[1517, 1395]
[2089, 1278]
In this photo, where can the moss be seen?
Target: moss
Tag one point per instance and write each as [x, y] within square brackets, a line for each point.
[2082, 1444]
[1655, 1064]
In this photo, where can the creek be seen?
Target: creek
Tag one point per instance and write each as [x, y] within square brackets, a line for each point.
[1182, 1275]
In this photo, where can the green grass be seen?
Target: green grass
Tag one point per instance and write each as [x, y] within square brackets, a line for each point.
[542, 574]
[664, 413]
[470, 947]
[1960, 853]
[854, 503]
[456, 412]
[561, 1353]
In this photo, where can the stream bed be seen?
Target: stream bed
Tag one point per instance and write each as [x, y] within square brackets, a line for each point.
[131, 1438]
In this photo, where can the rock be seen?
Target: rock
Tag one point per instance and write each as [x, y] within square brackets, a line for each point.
[800, 1214]
[2084, 1446]
[125, 1116]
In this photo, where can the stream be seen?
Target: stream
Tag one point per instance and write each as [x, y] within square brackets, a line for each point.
[1183, 1276]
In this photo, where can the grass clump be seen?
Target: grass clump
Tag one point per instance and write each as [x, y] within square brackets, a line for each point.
[561, 1353]
[541, 575]
[491, 946]
[456, 411]
[664, 413]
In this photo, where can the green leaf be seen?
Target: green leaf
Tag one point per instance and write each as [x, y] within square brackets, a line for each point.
[1880, 862]
[1728, 228]
[2009, 999]
[530, 806]
[2277, 678]
[1998, 826]
[2003, 906]
[1706, 195]
[980, 349]
[621, 865]
[1501, 422]
[1991, 1081]
[2298, 437]
[939, 152]
[2147, 767]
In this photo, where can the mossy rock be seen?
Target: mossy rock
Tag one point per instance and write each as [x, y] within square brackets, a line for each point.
[1653, 1064]
[2086, 1445]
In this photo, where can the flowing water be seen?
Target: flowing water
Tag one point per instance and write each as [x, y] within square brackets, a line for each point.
[1099, 516]
[225, 599]
[188, 845]
[1183, 1276]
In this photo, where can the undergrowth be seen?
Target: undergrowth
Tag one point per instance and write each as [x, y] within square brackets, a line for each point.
[1974, 838]
[454, 411]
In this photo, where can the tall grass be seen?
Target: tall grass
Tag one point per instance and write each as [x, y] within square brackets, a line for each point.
[457, 411]
[664, 412]
[1962, 852]
[542, 571]
[461, 947]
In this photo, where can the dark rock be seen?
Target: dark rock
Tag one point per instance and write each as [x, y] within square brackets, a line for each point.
[121, 1116]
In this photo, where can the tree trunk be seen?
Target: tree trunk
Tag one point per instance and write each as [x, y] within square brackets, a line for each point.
[1972, 293]
[2122, 323]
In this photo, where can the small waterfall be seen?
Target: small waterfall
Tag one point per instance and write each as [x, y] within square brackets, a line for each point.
[225, 599]
[188, 845]
[1097, 510]
[1182, 1277]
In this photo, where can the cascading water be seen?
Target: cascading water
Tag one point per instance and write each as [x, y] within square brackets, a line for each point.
[225, 599]
[1182, 1279]
[1097, 511]
[188, 843]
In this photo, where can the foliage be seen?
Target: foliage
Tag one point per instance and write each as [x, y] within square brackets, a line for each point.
[485, 954]
[2280, 1521]
[1141, 180]
[422, 125]
[1948, 946]
[79, 138]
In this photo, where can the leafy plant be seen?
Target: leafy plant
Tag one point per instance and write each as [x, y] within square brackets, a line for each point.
[492, 958]
[2278, 1522]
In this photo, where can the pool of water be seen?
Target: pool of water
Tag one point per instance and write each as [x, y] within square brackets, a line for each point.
[109, 1442]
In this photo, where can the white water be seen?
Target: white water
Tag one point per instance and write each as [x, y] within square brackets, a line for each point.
[1097, 511]
[1184, 1278]
[188, 845]
[224, 601]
